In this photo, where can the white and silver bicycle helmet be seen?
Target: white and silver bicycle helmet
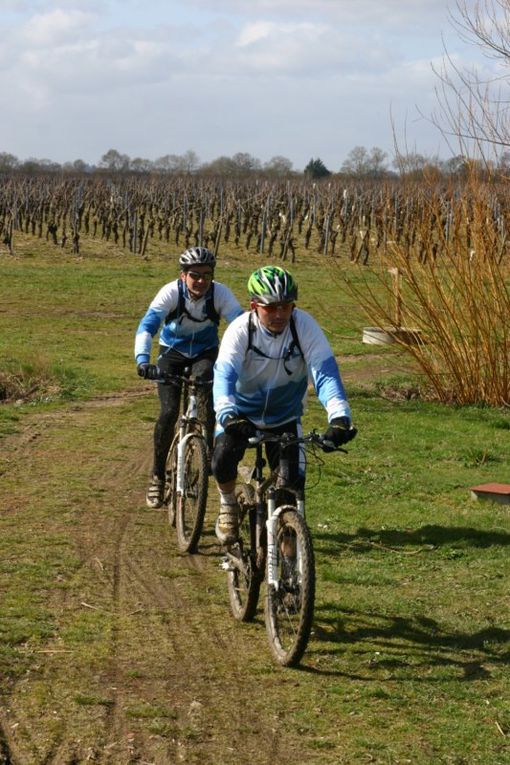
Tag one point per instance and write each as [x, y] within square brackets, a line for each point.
[197, 256]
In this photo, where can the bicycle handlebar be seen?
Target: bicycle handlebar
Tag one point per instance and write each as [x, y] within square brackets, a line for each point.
[169, 377]
[289, 439]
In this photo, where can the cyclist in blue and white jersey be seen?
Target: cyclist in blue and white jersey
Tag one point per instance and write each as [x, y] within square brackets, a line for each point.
[190, 309]
[261, 377]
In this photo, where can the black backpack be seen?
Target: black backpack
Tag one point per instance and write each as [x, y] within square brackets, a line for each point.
[181, 310]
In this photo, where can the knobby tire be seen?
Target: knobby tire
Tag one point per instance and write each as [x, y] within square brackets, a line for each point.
[244, 579]
[170, 482]
[191, 506]
[289, 608]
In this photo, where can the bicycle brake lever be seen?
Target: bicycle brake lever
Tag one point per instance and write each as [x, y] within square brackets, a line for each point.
[330, 446]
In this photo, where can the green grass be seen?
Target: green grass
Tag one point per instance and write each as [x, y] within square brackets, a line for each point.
[413, 578]
[80, 315]
[409, 658]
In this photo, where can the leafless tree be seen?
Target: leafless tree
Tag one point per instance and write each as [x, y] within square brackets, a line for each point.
[473, 111]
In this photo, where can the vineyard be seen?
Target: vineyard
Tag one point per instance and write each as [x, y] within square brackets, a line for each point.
[281, 219]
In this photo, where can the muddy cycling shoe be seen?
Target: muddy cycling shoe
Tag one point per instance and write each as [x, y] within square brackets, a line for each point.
[155, 493]
[227, 524]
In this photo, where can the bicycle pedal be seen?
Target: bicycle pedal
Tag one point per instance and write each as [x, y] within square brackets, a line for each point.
[226, 565]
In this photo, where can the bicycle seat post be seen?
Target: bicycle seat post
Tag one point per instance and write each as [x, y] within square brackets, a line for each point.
[259, 464]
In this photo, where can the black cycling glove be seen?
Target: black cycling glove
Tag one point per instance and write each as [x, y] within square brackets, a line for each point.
[239, 427]
[148, 371]
[340, 431]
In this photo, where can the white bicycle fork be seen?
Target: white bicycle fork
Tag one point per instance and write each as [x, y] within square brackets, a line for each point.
[191, 414]
[273, 515]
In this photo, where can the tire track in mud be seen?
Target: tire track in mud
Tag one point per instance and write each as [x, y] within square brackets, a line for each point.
[112, 715]
[199, 642]
[59, 747]
[6, 757]
[190, 644]
[176, 678]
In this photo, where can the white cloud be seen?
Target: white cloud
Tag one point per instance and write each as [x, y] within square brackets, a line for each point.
[53, 27]
[307, 50]
[255, 32]
[388, 13]
[15, 5]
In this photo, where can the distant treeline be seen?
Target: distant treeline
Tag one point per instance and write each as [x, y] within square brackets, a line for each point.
[360, 163]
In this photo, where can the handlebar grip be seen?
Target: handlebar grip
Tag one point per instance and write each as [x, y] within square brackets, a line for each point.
[328, 446]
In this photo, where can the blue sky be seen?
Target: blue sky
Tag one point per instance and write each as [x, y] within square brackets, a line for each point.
[298, 78]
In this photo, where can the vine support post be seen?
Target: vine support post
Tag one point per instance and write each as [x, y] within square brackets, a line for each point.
[397, 295]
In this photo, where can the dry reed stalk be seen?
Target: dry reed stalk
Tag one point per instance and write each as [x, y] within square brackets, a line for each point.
[454, 289]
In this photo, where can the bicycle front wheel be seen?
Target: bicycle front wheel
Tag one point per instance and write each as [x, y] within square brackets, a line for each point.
[191, 504]
[289, 604]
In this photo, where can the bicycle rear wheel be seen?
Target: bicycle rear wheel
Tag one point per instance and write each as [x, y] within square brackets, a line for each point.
[191, 505]
[289, 605]
[243, 578]
[171, 482]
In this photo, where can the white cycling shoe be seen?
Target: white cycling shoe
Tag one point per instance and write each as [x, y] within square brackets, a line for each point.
[227, 524]
[155, 493]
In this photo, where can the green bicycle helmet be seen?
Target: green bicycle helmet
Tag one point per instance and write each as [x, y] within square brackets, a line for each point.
[272, 284]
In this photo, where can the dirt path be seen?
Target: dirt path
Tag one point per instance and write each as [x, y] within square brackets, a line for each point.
[141, 662]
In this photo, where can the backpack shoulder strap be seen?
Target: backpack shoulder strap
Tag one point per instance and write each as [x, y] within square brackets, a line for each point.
[295, 339]
[210, 310]
[251, 330]
[179, 308]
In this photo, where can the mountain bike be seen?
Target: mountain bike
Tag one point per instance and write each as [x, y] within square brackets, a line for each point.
[274, 543]
[187, 466]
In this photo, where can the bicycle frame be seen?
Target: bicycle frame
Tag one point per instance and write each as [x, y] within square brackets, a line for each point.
[268, 513]
[186, 466]
[275, 543]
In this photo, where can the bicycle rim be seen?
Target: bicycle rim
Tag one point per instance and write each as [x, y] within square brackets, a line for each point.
[243, 579]
[191, 505]
[170, 483]
[289, 607]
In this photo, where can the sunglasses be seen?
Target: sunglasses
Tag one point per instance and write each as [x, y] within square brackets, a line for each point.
[274, 307]
[196, 276]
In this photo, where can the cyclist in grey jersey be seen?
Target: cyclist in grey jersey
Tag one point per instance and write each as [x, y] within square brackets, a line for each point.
[260, 381]
[189, 310]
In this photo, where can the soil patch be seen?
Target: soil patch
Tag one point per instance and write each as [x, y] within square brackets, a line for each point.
[143, 662]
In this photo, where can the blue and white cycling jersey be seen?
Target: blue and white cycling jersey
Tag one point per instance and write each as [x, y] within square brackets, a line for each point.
[268, 384]
[182, 334]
